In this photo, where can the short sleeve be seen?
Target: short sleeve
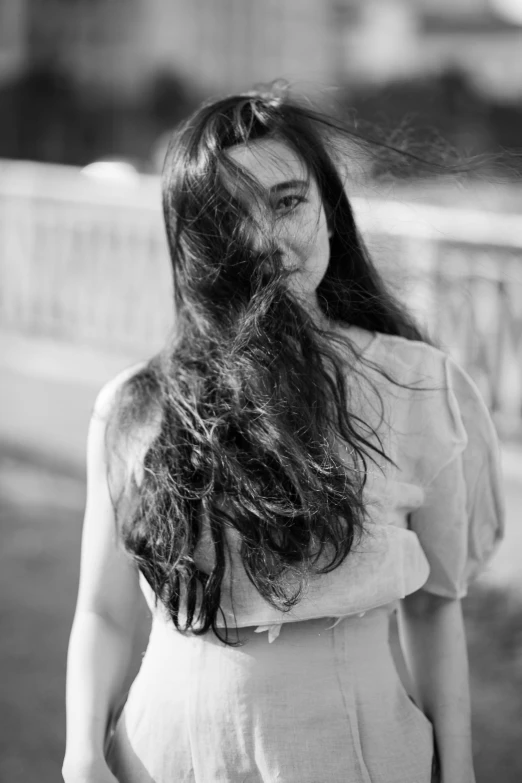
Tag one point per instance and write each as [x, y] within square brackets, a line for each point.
[461, 520]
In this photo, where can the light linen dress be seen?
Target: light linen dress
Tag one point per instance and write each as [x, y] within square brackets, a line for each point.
[312, 695]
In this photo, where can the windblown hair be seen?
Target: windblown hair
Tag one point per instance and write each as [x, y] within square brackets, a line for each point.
[248, 402]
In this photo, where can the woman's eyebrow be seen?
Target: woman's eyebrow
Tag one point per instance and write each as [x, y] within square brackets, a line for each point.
[289, 184]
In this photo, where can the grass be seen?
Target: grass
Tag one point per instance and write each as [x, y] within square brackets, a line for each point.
[40, 523]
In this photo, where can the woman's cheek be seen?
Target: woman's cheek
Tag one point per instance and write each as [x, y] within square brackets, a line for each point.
[307, 241]
[317, 251]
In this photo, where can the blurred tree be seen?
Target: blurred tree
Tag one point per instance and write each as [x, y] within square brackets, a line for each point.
[170, 100]
[440, 116]
[46, 116]
[41, 115]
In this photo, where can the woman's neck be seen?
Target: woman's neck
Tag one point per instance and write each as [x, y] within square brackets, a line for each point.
[312, 308]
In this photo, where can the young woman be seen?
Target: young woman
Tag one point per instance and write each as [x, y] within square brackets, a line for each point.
[295, 464]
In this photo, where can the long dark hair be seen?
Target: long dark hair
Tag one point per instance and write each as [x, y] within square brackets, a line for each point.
[248, 402]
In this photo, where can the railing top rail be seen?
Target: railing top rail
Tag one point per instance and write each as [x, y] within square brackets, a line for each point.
[67, 184]
[438, 223]
[405, 219]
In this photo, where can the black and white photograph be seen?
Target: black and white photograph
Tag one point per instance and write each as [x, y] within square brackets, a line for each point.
[261, 391]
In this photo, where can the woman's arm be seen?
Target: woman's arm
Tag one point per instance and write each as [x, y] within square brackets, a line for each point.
[434, 643]
[103, 628]
[98, 661]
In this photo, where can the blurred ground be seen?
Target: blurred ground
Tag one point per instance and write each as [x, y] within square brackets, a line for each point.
[42, 493]
[41, 513]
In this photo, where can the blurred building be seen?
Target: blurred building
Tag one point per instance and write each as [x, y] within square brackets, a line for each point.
[384, 40]
[13, 52]
[484, 41]
[218, 45]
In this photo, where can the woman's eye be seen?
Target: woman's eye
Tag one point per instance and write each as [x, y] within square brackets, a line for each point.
[288, 203]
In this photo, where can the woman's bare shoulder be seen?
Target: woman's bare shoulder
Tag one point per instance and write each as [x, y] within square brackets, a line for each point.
[111, 392]
[128, 410]
[128, 405]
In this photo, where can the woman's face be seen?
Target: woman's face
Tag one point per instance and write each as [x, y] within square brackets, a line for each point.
[292, 211]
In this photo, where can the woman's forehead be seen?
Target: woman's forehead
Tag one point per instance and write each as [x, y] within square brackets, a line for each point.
[269, 161]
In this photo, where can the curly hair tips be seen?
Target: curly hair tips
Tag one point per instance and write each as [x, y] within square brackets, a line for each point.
[250, 398]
